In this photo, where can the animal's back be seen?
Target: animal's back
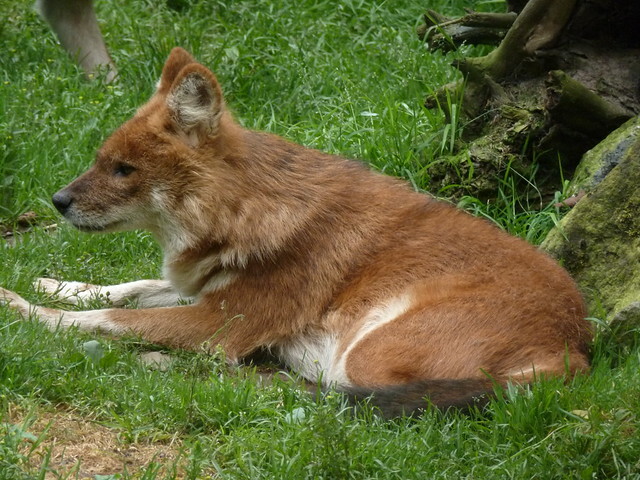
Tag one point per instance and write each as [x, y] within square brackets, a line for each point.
[421, 290]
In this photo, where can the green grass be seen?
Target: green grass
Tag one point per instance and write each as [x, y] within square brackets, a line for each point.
[346, 77]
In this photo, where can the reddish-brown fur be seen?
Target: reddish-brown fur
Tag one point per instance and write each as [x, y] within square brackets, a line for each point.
[283, 246]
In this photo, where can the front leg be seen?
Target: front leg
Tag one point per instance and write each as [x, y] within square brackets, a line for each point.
[189, 326]
[53, 318]
[143, 293]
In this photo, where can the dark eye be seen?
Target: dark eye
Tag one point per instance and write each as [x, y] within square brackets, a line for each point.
[123, 170]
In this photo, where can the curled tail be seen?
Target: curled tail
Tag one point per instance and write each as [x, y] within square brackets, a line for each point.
[409, 399]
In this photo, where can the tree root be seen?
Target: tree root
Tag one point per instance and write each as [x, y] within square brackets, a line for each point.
[444, 33]
[573, 105]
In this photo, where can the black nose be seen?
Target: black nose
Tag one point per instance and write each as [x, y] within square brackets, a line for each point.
[62, 201]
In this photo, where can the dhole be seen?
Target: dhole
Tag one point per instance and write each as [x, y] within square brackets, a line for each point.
[350, 277]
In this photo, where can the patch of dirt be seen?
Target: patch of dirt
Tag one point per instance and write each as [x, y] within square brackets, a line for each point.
[81, 448]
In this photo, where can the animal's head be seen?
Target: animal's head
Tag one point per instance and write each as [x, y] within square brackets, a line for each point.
[146, 174]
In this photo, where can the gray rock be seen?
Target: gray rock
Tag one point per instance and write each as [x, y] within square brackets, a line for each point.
[604, 157]
[598, 241]
[94, 350]
[626, 323]
[156, 360]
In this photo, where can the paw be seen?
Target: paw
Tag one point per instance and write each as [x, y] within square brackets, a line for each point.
[14, 301]
[52, 318]
[69, 292]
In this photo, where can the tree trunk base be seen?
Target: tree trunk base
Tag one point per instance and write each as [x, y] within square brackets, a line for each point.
[546, 95]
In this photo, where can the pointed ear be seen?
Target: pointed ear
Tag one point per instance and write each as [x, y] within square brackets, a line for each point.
[195, 102]
[177, 60]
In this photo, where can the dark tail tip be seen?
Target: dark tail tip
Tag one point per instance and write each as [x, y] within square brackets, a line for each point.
[411, 399]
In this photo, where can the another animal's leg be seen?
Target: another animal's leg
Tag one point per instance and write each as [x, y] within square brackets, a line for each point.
[76, 25]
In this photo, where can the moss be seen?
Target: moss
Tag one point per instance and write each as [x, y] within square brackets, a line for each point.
[485, 156]
[626, 323]
[599, 161]
[599, 240]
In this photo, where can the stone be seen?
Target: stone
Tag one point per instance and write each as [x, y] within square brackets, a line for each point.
[626, 323]
[598, 241]
[94, 350]
[156, 360]
[604, 157]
